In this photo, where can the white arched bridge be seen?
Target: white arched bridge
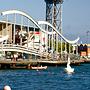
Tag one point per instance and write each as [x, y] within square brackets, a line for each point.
[29, 37]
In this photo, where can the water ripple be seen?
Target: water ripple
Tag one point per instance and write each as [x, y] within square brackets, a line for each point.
[53, 78]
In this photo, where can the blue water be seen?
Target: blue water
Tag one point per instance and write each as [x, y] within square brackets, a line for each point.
[54, 78]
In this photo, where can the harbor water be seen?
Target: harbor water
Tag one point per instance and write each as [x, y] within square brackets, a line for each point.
[53, 78]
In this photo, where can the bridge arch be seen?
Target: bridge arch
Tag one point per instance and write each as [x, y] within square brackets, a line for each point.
[39, 22]
[23, 14]
[69, 41]
[38, 25]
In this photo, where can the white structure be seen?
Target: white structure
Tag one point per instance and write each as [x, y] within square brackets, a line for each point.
[68, 69]
[38, 40]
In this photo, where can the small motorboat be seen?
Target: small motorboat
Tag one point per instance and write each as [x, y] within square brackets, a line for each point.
[38, 67]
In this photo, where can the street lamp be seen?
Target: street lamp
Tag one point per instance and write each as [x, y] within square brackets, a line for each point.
[87, 36]
[87, 41]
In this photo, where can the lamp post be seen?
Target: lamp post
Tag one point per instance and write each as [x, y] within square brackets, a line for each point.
[87, 36]
[87, 41]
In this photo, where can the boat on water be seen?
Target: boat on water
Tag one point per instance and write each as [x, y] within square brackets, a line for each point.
[38, 67]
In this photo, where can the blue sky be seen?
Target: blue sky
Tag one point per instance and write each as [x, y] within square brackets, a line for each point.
[75, 14]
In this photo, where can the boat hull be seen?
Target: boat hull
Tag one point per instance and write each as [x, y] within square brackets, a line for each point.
[39, 68]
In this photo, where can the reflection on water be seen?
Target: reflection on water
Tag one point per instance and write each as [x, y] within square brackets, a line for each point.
[68, 75]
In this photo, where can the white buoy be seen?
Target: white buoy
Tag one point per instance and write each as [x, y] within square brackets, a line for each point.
[7, 87]
[68, 69]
